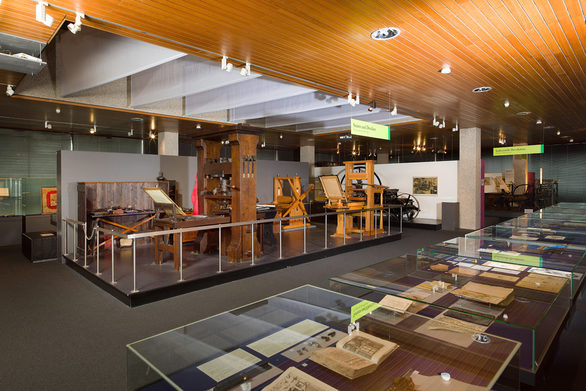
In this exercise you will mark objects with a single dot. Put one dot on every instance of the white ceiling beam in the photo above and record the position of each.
(297, 104)
(92, 58)
(382, 117)
(344, 111)
(185, 76)
(242, 94)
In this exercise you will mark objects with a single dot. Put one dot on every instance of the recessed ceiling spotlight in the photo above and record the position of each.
(558, 132)
(445, 70)
(538, 122)
(571, 140)
(506, 103)
(479, 90)
(57, 110)
(198, 126)
(385, 33)
(523, 113)
(281, 136)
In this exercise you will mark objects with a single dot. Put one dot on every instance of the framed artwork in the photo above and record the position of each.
(48, 200)
(425, 185)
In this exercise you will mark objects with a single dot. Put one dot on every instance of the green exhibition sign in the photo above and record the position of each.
(359, 310)
(368, 129)
(517, 150)
(519, 259)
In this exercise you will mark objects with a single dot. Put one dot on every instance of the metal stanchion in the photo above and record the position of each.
(326, 232)
(85, 245)
(252, 239)
(304, 236)
(180, 256)
(344, 213)
(112, 244)
(389, 221)
(98, 252)
(360, 225)
(219, 249)
(134, 290)
(375, 225)
(66, 226)
(280, 239)
(400, 219)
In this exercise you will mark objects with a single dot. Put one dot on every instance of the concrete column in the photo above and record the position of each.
(168, 143)
(307, 154)
(469, 169)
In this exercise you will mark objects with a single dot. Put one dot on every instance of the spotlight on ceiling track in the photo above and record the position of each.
(538, 122)
(455, 128)
(445, 70)
(372, 106)
(571, 140)
(152, 135)
(226, 66)
(245, 70)
(93, 130)
(558, 133)
(198, 126)
(131, 132)
(507, 103)
(281, 136)
(41, 15)
(394, 111)
(351, 100)
(76, 27)
(48, 125)
(9, 90)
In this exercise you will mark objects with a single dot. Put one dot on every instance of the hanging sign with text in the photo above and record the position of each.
(368, 129)
(517, 150)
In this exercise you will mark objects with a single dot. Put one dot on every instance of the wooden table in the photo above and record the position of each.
(180, 222)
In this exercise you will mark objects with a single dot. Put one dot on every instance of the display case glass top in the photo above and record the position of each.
(547, 225)
(571, 240)
(260, 345)
(493, 297)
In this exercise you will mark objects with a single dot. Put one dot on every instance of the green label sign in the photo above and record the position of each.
(517, 150)
(359, 310)
(368, 129)
(525, 260)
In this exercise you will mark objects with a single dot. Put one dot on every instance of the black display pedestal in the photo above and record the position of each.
(39, 246)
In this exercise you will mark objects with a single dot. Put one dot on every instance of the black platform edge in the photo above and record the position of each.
(152, 295)
(430, 226)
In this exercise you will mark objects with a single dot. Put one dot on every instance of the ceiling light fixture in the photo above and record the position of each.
(455, 129)
(479, 90)
(9, 90)
(538, 122)
(131, 132)
(435, 121)
(351, 100)
(226, 66)
(506, 103)
(445, 69)
(523, 113)
(93, 130)
(48, 125)
(385, 33)
(372, 106)
(558, 133)
(76, 27)
(198, 126)
(57, 110)
(394, 111)
(152, 135)
(571, 140)
(41, 15)
(245, 70)
(281, 136)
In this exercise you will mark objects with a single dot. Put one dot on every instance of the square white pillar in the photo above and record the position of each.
(168, 143)
(469, 183)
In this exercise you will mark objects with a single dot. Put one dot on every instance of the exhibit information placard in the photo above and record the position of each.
(369, 129)
(517, 150)
(357, 311)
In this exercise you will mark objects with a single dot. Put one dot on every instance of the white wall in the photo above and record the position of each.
(400, 176)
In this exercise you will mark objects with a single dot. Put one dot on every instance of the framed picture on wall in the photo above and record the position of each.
(48, 200)
(425, 185)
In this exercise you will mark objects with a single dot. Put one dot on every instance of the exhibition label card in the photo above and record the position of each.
(229, 364)
(359, 310)
(284, 339)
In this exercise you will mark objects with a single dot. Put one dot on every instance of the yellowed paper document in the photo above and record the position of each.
(284, 339)
(229, 364)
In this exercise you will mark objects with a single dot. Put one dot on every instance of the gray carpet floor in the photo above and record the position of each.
(60, 332)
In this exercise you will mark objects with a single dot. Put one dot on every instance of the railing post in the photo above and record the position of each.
(344, 215)
(326, 231)
(134, 290)
(85, 245)
(97, 251)
(360, 225)
(304, 236)
(66, 227)
(389, 221)
(220, 249)
(252, 240)
(375, 225)
(74, 242)
(280, 238)
(180, 256)
(401, 219)
(112, 245)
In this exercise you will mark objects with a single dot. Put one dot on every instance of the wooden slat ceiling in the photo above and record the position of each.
(531, 52)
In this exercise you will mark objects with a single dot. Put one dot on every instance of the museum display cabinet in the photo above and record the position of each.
(555, 260)
(545, 214)
(492, 299)
(299, 340)
(571, 240)
(554, 226)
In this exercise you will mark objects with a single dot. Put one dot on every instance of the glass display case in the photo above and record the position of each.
(554, 260)
(494, 300)
(24, 196)
(550, 225)
(298, 340)
(571, 240)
